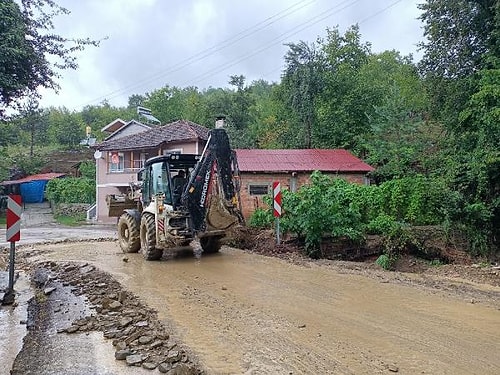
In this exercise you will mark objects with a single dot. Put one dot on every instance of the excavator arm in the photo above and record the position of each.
(211, 195)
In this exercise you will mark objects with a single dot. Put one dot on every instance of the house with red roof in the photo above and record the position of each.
(292, 168)
(119, 158)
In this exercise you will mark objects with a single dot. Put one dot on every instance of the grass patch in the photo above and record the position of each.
(71, 221)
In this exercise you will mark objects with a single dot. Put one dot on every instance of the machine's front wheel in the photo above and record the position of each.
(128, 234)
(148, 238)
(210, 244)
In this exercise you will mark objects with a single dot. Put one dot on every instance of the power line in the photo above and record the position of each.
(244, 34)
(285, 36)
(281, 38)
(209, 51)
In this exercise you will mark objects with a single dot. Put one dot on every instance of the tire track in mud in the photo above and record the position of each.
(245, 313)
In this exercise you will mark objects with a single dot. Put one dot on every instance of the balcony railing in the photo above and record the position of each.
(126, 166)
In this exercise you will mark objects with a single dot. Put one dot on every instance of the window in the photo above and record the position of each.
(258, 189)
(143, 159)
(116, 162)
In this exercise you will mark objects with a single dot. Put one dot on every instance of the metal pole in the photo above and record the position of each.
(11, 266)
(278, 230)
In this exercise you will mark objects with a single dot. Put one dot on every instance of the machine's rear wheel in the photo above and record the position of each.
(128, 234)
(210, 244)
(148, 238)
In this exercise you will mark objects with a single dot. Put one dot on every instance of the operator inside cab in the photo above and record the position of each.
(179, 181)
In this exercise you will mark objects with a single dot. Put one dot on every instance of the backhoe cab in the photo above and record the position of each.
(183, 197)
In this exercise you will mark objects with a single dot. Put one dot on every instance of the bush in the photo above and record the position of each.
(71, 190)
(87, 169)
(385, 261)
(261, 218)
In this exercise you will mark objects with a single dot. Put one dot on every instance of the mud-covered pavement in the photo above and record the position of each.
(242, 313)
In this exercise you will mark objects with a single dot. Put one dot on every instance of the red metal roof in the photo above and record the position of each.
(306, 160)
(35, 177)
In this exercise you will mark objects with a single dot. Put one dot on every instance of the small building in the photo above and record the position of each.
(120, 156)
(292, 168)
(31, 188)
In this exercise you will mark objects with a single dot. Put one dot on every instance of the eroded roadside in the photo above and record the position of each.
(245, 313)
(77, 311)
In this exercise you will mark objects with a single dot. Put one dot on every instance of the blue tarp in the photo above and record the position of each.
(33, 192)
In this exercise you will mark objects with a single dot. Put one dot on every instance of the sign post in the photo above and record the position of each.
(277, 207)
(13, 234)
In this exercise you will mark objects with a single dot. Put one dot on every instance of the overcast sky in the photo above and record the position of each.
(152, 43)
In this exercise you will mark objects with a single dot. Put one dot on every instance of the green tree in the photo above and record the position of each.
(302, 84)
(348, 96)
(30, 53)
(460, 34)
(66, 128)
(34, 121)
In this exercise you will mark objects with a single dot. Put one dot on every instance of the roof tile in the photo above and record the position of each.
(181, 130)
(300, 160)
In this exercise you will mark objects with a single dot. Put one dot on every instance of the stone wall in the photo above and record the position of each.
(70, 209)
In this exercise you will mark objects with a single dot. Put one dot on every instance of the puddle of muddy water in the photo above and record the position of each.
(13, 322)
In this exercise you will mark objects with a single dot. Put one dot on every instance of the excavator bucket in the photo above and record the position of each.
(221, 215)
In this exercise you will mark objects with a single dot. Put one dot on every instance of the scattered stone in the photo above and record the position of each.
(111, 334)
(156, 344)
(125, 259)
(115, 305)
(173, 356)
(122, 295)
(122, 354)
(72, 329)
(133, 337)
(142, 323)
(86, 269)
(125, 321)
(23, 321)
(149, 365)
(164, 367)
(143, 340)
(134, 359)
(47, 291)
(121, 345)
(182, 369)
(301, 326)
(393, 368)
(224, 287)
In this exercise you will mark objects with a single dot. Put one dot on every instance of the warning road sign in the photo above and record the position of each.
(14, 211)
(276, 199)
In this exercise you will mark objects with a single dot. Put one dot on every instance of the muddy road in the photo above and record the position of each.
(242, 313)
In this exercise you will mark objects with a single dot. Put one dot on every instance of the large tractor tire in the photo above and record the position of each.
(128, 234)
(148, 238)
(210, 244)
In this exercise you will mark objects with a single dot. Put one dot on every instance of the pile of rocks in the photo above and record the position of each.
(138, 336)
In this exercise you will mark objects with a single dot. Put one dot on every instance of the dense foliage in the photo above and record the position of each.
(344, 210)
(430, 129)
(30, 53)
(71, 190)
